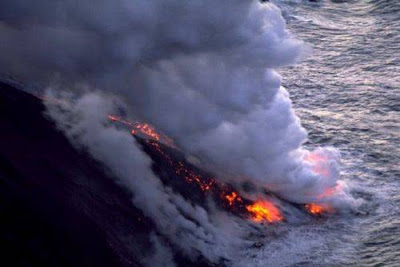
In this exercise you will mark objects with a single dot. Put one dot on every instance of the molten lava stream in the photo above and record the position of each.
(264, 210)
(143, 129)
(259, 211)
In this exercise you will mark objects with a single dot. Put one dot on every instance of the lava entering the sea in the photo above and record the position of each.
(259, 211)
(263, 210)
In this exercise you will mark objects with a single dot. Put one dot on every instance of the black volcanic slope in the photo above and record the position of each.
(58, 207)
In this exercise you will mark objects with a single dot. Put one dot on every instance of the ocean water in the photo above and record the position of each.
(347, 94)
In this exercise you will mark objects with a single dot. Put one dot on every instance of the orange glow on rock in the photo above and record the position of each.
(314, 208)
(232, 198)
(143, 129)
(265, 211)
(260, 211)
(147, 130)
(317, 209)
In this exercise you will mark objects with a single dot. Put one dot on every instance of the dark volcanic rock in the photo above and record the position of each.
(57, 205)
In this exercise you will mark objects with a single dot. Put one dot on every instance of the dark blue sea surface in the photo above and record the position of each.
(347, 94)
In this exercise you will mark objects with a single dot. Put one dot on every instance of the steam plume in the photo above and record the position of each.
(189, 227)
(200, 71)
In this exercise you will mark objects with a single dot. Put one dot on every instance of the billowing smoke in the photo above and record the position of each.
(200, 71)
(191, 229)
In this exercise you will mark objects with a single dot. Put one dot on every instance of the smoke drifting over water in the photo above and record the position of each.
(200, 71)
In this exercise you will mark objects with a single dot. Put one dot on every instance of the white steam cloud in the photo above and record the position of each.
(200, 71)
(191, 229)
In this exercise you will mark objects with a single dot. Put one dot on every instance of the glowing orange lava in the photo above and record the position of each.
(232, 198)
(314, 208)
(265, 211)
(260, 211)
(148, 130)
(317, 209)
(143, 129)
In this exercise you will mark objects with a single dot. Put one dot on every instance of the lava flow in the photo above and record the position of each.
(318, 209)
(143, 129)
(315, 208)
(265, 211)
(259, 211)
(232, 198)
